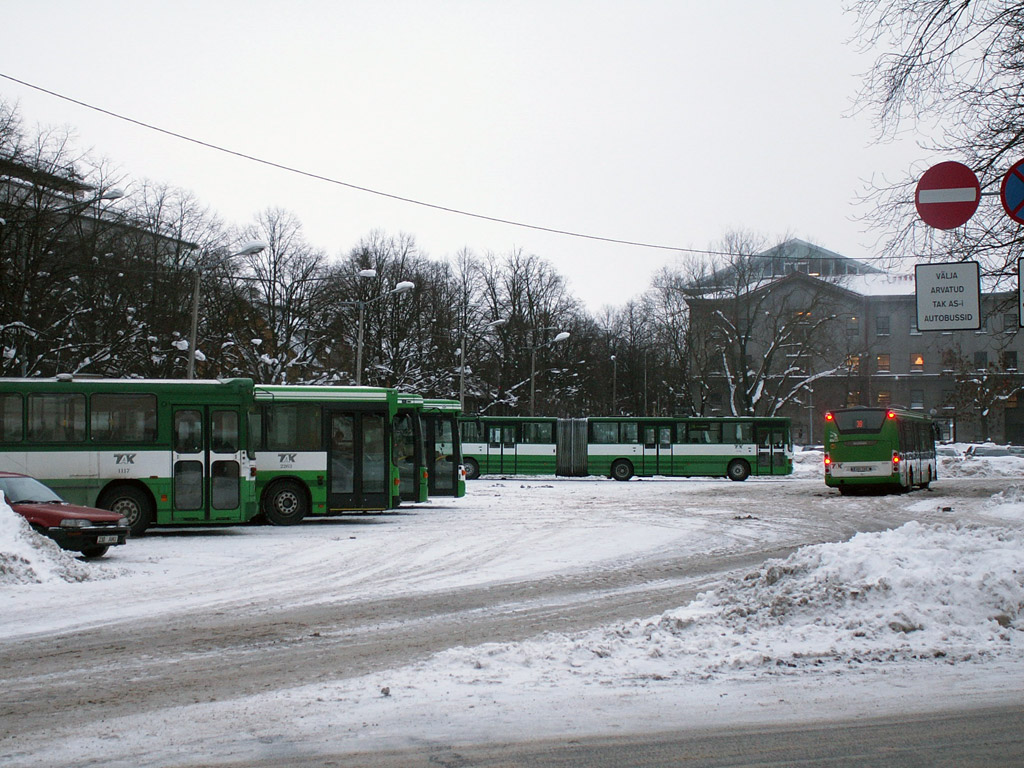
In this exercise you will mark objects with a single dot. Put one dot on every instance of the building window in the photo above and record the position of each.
(917, 399)
(917, 362)
(1009, 360)
(981, 360)
(882, 325)
(914, 330)
(884, 397)
(1011, 323)
(1011, 401)
(853, 363)
(882, 363)
(853, 398)
(852, 326)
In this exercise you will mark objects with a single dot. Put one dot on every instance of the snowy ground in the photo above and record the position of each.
(892, 620)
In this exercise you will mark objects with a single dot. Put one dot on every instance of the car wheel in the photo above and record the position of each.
(131, 502)
(285, 503)
(97, 551)
(472, 469)
(738, 470)
(622, 470)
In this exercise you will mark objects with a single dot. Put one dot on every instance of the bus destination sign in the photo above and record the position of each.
(948, 296)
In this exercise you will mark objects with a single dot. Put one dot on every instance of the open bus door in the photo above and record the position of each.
(358, 469)
(209, 464)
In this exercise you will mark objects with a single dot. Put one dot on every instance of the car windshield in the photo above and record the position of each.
(26, 490)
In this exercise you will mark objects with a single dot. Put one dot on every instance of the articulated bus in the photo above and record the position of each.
(324, 450)
(156, 452)
(444, 448)
(624, 447)
(879, 448)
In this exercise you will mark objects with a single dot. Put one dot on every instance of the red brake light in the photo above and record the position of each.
(828, 459)
(829, 416)
(891, 414)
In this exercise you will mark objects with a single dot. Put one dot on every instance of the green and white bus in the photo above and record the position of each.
(879, 448)
(156, 452)
(324, 450)
(626, 447)
(444, 448)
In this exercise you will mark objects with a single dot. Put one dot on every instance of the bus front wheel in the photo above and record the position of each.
(738, 470)
(622, 470)
(285, 503)
(472, 469)
(130, 502)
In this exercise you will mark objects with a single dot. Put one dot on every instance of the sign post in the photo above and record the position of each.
(947, 195)
(948, 296)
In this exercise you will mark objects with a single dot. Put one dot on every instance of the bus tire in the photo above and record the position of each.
(285, 503)
(131, 502)
(738, 470)
(472, 469)
(622, 470)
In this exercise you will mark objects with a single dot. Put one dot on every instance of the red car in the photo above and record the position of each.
(87, 530)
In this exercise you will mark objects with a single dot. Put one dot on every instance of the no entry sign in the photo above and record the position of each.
(1012, 192)
(947, 195)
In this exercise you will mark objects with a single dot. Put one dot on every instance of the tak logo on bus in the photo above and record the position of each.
(124, 458)
(286, 458)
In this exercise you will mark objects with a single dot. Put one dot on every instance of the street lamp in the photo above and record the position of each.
(615, 371)
(533, 364)
(462, 359)
(403, 287)
(249, 249)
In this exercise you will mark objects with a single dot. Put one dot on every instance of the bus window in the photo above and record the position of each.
(122, 418)
(188, 433)
(472, 431)
(293, 427)
(374, 453)
(224, 433)
(502, 435)
(738, 433)
(704, 432)
(56, 418)
(10, 418)
(605, 432)
(538, 432)
(629, 432)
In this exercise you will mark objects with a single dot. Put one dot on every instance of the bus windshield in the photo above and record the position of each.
(859, 421)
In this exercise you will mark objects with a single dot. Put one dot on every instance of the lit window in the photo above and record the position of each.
(916, 362)
(884, 397)
(882, 362)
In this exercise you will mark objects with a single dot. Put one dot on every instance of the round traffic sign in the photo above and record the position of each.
(947, 195)
(1012, 192)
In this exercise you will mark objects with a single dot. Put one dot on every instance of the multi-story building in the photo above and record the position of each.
(865, 348)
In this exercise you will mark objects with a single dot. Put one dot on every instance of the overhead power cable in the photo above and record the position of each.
(349, 185)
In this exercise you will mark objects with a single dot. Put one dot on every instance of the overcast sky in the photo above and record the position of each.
(670, 123)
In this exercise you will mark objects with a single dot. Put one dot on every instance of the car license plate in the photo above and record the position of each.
(106, 539)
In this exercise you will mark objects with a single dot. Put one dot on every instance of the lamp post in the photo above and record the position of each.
(462, 359)
(403, 287)
(249, 249)
(615, 372)
(533, 365)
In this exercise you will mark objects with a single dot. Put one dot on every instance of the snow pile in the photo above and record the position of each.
(27, 557)
(981, 466)
(943, 593)
(808, 464)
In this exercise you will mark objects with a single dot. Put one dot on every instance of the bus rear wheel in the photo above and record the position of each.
(285, 503)
(622, 470)
(738, 470)
(130, 502)
(472, 469)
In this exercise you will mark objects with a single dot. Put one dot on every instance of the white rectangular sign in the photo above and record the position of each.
(948, 296)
